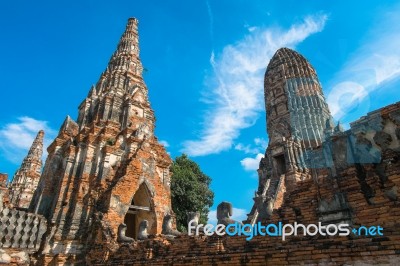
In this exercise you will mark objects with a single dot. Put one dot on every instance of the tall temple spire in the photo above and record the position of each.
(129, 41)
(110, 98)
(126, 57)
(109, 163)
(26, 178)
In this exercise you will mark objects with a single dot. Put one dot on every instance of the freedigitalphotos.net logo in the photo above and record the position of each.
(282, 230)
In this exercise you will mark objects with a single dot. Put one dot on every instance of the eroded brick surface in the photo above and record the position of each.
(303, 205)
(26, 179)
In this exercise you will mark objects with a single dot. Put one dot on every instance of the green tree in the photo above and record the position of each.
(190, 191)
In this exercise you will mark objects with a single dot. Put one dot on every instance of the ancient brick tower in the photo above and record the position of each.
(27, 177)
(108, 167)
(297, 115)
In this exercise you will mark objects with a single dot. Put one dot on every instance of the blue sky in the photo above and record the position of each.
(205, 61)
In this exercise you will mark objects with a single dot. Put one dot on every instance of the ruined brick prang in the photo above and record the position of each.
(26, 179)
(294, 101)
(108, 167)
(296, 117)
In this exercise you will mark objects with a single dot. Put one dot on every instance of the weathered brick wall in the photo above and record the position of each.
(302, 205)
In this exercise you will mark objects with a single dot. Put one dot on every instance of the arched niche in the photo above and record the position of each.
(141, 208)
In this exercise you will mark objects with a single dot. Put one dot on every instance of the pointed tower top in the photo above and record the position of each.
(36, 150)
(129, 41)
(69, 126)
(329, 124)
(126, 56)
(339, 127)
(107, 99)
(26, 178)
(133, 22)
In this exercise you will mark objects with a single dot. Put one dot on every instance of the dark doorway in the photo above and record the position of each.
(280, 164)
(130, 221)
(140, 209)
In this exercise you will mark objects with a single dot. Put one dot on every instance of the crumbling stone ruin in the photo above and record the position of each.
(26, 179)
(303, 140)
(103, 197)
(21, 232)
(105, 170)
(296, 118)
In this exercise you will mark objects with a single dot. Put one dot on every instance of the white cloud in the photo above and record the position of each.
(252, 164)
(236, 94)
(261, 142)
(374, 63)
(237, 214)
(251, 29)
(212, 217)
(16, 138)
(344, 96)
(387, 66)
(164, 143)
(260, 145)
(246, 148)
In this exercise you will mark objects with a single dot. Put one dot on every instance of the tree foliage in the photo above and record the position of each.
(190, 191)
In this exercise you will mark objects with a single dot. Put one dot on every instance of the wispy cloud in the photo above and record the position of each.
(236, 94)
(374, 63)
(237, 214)
(16, 138)
(211, 18)
(246, 148)
(251, 164)
(164, 143)
(257, 149)
(250, 28)
(260, 145)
